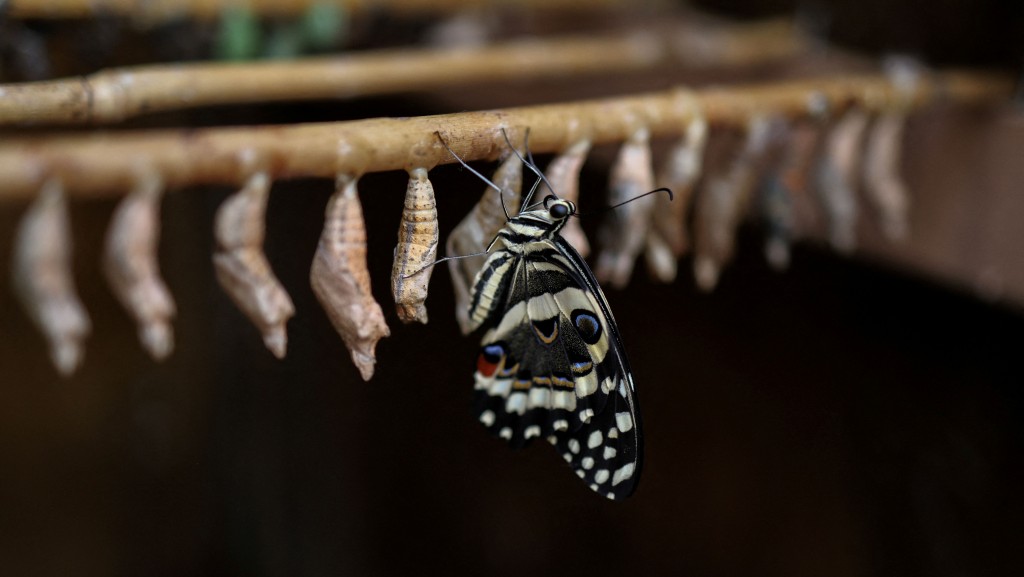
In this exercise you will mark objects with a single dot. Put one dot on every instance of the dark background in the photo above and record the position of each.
(843, 418)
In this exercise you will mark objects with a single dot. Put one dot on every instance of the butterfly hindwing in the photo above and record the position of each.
(552, 364)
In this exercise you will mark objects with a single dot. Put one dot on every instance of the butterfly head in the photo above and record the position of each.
(559, 209)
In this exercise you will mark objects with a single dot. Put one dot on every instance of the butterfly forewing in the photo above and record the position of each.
(551, 364)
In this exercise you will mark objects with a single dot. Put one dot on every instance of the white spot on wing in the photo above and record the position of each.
(625, 472)
(481, 382)
(487, 418)
(505, 433)
(588, 463)
(561, 425)
(587, 384)
(609, 452)
(564, 400)
(540, 397)
(607, 385)
(532, 431)
(586, 415)
(623, 421)
(601, 476)
(613, 433)
(542, 307)
(611, 496)
(500, 388)
(552, 439)
(594, 440)
(567, 457)
(516, 403)
(580, 473)
(574, 446)
(622, 389)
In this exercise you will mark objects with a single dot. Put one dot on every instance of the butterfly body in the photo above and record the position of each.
(551, 361)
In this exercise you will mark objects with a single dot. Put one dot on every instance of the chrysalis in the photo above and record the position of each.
(883, 186)
(668, 238)
(625, 230)
(722, 204)
(131, 265)
(242, 268)
(341, 280)
(43, 279)
(775, 198)
(776, 207)
(416, 250)
(837, 178)
(564, 175)
(802, 146)
(679, 174)
(477, 229)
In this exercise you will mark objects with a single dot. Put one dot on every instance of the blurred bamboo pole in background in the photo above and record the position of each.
(150, 10)
(117, 94)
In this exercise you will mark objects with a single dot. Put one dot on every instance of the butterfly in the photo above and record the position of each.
(551, 363)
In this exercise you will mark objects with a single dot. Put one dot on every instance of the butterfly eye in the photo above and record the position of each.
(558, 211)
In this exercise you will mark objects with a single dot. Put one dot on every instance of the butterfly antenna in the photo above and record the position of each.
(501, 193)
(441, 260)
(638, 197)
(529, 164)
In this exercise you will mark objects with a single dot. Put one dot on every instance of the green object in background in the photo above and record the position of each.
(324, 25)
(240, 35)
(285, 42)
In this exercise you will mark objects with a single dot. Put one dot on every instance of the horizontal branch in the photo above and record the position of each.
(109, 164)
(152, 11)
(118, 94)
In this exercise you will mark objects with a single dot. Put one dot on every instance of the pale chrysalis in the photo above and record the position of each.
(341, 280)
(624, 231)
(563, 173)
(132, 267)
(242, 268)
(43, 279)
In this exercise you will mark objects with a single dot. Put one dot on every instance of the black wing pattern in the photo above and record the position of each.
(551, 364)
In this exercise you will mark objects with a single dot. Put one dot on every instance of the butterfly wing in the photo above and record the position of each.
(553, 366)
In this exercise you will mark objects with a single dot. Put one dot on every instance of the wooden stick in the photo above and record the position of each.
(211, 9)
(117, 94)
(104, 165)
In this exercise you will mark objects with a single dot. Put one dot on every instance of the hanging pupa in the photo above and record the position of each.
(883, 187)
(416, 250)
(679, 174)
(341, 280)
(132, 267)
(43, 279)
(477, 229)
(242, 268)
(563, 173)
(624, 231)
(722, 203)
(668, 238)
(775, 199)
(837, 178)
(802, 147)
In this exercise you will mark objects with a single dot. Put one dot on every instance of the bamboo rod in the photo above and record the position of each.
(117, 94)
(157, 10)
(105, 165)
